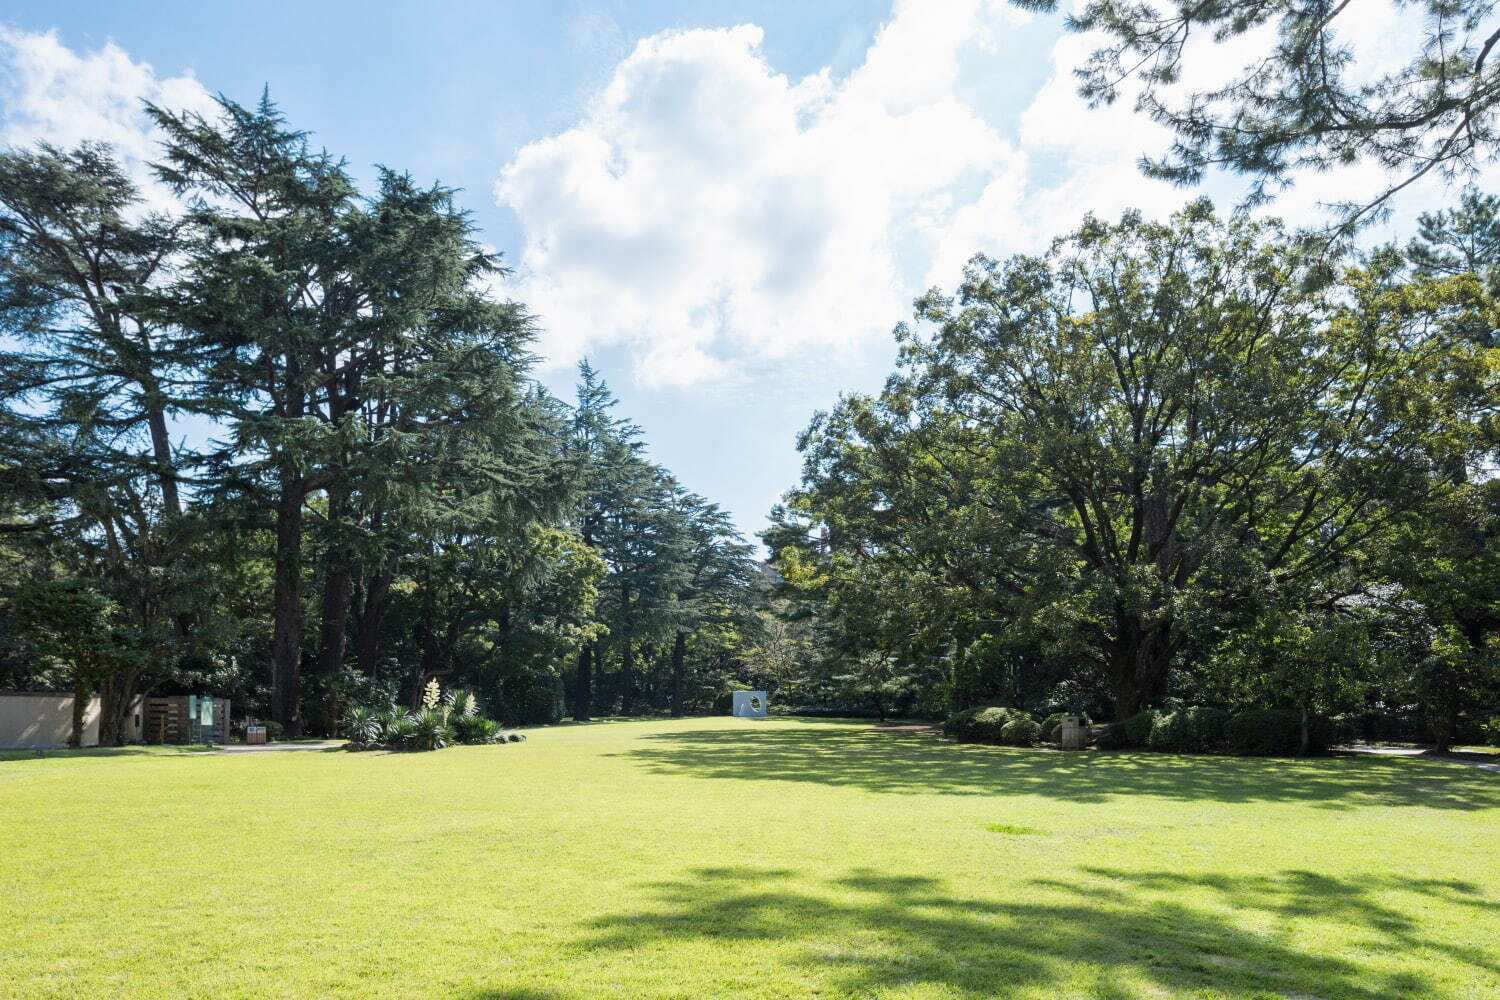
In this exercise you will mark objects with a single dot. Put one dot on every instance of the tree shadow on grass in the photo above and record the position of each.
(1109, 934)
(921, 764)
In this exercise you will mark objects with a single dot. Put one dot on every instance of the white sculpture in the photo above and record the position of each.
(749, 705)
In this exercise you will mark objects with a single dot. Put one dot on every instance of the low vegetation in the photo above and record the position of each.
(770, 859)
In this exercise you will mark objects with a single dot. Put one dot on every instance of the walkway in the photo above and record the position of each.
(1468, 760)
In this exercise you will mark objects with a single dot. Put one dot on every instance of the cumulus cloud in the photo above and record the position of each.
(50, 93)
(709, 212)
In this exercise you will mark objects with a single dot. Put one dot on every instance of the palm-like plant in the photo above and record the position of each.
(398, 731)
(462, 703)
(362, 724)
(430, 729)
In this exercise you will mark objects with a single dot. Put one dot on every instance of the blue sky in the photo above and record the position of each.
(726, 206)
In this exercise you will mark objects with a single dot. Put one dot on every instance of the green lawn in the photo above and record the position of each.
(729, 858)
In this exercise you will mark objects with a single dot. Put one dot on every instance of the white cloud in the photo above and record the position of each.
(50, 93)
(709, 212)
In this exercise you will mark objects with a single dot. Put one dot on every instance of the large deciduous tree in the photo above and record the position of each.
(1130, 442)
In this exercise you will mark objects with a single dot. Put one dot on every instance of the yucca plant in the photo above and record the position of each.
(362, 724)
(473, 728)
(462, 703)
(430, 730)
(397, 729)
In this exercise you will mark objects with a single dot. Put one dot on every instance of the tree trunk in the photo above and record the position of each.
(161, 450)
(627, 678)
(583, 688)
(1443, 727)
(336, 586)
(372, 620)
(679, 671)
(80, 702)
(1139, 659)
(116, 697)
(286, 640)
(1306, 734)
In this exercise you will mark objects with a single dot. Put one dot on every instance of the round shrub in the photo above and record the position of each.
(273, 730)
(983, 724)
(1020, 732)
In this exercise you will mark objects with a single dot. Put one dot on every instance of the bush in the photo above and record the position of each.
(398, 731)
(987, 724)
(473, 729)
(1275, 732)
(1189, 730)
(273, 730)
(1020, 732)
(1129, 733)
(430, 730)
(362, 725)
(531, 700)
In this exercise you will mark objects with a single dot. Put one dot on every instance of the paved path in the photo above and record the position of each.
(279, 747)
(1468, 760)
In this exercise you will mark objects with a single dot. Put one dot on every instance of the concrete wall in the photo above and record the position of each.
(33, 719)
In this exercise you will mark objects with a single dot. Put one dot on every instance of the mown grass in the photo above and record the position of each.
(736, 858)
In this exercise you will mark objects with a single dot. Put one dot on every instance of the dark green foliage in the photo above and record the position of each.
(273, 730)
(991, 724)
(474, 729)
(1189, 730)
(1275, 732)
(1306, 98)
(1020, 732)
(1136, 730)
(532, 700)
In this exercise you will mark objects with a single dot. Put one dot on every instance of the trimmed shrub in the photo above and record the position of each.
(1275, 732)
(987, 724)
(1189, 730)
(1129, 733)
(1138, 727)
(273, 730)
(1020, 732)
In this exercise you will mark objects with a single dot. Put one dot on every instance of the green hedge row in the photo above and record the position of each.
(989, 724)
(1262, 732)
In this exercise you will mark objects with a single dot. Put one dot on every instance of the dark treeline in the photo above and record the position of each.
(1187, 463)
(282, 444)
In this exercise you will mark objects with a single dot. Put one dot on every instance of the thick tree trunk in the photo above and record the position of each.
(1139, 660)
(372, 620)
(583, 688)
(1443, 727)
(286, 639)
(80, 702)
(679, 671)
(1305, 742)
(627, 678)
(116, 696)
(336, 587)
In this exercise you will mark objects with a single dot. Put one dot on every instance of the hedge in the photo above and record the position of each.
(1275, 732)
(1189, 730)
(992, 724)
